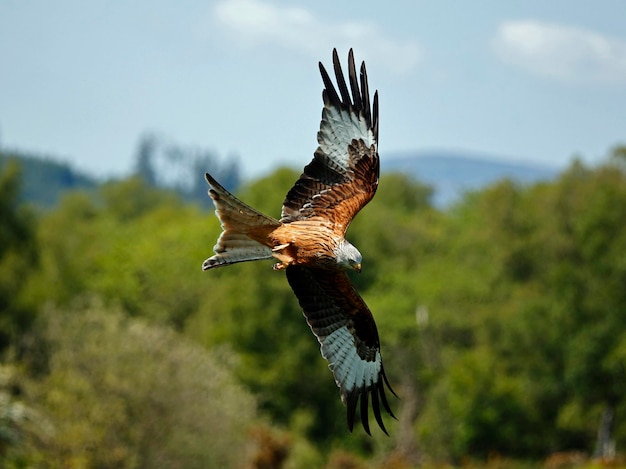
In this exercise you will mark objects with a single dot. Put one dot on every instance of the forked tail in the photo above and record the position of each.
(245, 230)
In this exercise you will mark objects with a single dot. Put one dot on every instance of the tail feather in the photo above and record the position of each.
(235, 247)
(245, 229)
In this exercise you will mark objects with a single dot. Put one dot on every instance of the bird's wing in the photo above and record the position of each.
(343, 175)
(346, 331)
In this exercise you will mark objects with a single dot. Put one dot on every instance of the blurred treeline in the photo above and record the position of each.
(502, 322)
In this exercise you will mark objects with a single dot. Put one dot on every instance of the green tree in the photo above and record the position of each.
(120, 392)
(18, 257)
(501, 319)
(134, 246)
(543, 343)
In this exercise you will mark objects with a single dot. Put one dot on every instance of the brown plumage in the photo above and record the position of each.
(308, 241)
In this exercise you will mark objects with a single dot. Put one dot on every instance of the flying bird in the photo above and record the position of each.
(308, 241)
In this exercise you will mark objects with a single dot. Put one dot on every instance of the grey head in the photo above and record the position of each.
(348, 257)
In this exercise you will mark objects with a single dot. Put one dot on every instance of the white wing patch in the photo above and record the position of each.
(349, 369)
(339, 127)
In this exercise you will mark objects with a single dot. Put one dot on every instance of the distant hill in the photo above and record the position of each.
(452, 174)
(44, 180)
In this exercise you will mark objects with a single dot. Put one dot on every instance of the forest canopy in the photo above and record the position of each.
(502, 323)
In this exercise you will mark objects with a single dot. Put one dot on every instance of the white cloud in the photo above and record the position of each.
(561, 52)
(257, 22)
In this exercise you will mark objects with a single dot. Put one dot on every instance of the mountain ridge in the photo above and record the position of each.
(451, 173)
(44, 180)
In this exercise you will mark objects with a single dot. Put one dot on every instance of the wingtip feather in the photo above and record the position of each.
(357, 97)
(350, 401)
(376, 410)
(383, 398)
(375, 116)
(364, 413)
(341, 80)
(329, 94)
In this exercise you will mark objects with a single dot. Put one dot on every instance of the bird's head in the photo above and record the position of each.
(348, 257)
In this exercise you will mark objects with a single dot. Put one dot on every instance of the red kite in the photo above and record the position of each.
(308, 241)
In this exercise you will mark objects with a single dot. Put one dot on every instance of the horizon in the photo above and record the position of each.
(541, 82)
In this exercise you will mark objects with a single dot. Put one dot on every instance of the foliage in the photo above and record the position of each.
(545, 358)
(501, 320)
(140, 248)
(123, 393)
(18, 257)
(22, 428)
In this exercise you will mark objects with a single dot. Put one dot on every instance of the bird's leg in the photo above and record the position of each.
(280, 253)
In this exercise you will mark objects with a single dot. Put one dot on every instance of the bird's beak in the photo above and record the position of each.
(357, 267)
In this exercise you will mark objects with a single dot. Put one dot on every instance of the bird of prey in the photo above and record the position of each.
(308, 241)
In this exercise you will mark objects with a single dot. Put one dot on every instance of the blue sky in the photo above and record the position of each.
(528, 80)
